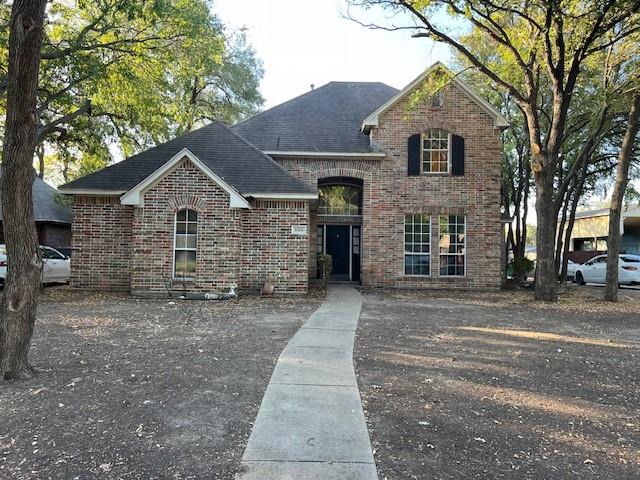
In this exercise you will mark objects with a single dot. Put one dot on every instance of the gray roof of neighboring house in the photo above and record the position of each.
(327, 119)
(45, 206)
(601, 212)
(229, 156)
(593, 213)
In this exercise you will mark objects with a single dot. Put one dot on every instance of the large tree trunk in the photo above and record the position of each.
(19, 300)
(546, 279)
(622, 179)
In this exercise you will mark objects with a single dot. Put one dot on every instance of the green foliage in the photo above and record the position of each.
(521, 267)
(131, 74)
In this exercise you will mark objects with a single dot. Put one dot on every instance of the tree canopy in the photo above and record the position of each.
(123, 74)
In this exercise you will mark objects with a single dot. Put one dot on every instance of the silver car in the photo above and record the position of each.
(56, 267)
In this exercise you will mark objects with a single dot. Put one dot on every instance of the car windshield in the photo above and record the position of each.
(3, 251)
(630, 259)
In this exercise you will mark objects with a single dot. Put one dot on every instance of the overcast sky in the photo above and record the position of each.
(302, 42)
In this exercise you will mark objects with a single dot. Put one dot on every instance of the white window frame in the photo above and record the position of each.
(430, 253)
(185, 249)
(422, 152)
(453, 254)
(437, 99)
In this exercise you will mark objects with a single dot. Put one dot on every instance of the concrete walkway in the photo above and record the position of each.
(310, 425)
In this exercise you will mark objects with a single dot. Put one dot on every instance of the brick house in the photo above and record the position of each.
(399, 196)
(52, 217)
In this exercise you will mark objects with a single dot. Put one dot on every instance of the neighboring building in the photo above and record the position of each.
(591, 230)
(53, 218)
(398, 198)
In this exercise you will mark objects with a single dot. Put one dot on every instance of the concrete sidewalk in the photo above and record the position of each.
(310, 424)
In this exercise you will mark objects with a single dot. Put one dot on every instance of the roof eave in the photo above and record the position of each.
(313, 154)
(90, 191)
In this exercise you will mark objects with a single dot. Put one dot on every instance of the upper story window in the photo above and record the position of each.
(185, 244)
(435, 151)
(339, 200)
(437, 99)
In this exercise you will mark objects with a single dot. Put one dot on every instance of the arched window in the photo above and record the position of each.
(435, 151)
(339, 200)
(185, 244)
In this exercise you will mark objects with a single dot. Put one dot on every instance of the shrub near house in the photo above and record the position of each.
(396, 196)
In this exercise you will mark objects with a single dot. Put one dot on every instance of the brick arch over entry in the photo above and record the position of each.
(186, 200)
(334, 172)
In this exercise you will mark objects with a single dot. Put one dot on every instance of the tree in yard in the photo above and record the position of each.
(540, 50)
(132, 74)
(622, 179)
(20, 296)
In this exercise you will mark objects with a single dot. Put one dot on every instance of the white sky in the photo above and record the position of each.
(309, 41)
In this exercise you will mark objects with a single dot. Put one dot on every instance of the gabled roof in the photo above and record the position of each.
(231, 158)
(499, 120)
(135, 196)
(46, 208)
(324, 120)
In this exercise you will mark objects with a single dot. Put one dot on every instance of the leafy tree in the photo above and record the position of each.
(540, 50)
(131, 74)
(20, 295)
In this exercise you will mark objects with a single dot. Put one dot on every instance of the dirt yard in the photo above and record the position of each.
(142, 389)
(491, 386)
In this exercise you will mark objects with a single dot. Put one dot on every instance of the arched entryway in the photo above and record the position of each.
(340, 225)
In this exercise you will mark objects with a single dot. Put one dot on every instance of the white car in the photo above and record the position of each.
(56, 267)
(572, 267)
(595, 270)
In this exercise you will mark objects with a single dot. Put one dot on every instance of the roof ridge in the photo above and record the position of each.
(281, 104)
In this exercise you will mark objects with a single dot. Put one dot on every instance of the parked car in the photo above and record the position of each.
(595, 270)
(56, 267)
(572, 267)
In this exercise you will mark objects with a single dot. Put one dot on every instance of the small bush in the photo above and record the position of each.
(520, 267)
(325, 265)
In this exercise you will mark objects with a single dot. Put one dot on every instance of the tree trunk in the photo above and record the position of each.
(20, 296)
(40, 155)
(622, 179)
(546, 279)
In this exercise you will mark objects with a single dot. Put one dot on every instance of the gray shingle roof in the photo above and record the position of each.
(327, 119)
(45, 206)
(232, 158)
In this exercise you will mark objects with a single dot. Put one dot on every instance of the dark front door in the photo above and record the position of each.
(337, 245)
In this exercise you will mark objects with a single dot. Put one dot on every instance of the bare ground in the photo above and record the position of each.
(491, 386)
(142, 389)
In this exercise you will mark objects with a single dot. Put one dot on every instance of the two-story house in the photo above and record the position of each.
(399, 194)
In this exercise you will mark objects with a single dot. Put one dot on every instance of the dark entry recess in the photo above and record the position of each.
(337, 245)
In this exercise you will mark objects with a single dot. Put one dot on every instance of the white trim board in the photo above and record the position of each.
(90, 191)
(283, 196)
(276, 153)
(135, 196)
(499, 120)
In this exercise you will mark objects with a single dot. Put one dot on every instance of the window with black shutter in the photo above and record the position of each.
(457, 155)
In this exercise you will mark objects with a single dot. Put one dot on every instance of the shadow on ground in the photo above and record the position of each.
(473, 387)
(142, 389)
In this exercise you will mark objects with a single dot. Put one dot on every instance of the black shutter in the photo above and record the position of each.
(413, 164)
(457, 155)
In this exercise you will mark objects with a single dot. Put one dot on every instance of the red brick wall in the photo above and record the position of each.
(270, 250)
(131, 248)
(218, 243)
(389, 193)
(101, 243)
(54, 235)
